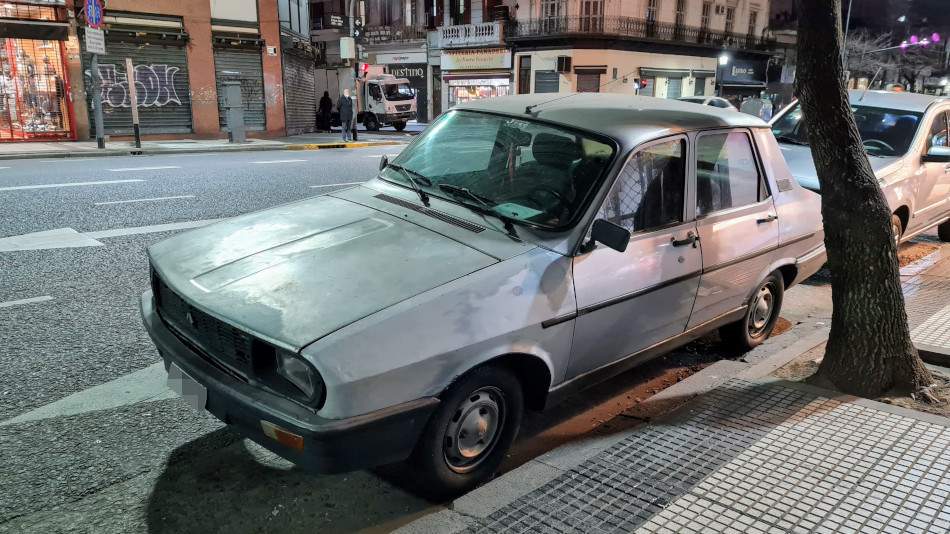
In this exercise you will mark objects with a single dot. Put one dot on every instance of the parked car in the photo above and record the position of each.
(519, 250)
(905, 135)
(714, 101)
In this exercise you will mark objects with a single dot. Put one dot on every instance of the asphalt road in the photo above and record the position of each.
(92, 441)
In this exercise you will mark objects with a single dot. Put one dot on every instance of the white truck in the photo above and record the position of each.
(381, 99)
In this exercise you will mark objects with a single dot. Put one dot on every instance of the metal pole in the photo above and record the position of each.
(97, 101)
(130, 74)
(844, 47)
(356, 73)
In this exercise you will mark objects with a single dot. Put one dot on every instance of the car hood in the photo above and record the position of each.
(802, 165)
(295, 273)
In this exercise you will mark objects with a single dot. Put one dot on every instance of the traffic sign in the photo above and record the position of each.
(95, 41)
(93, 10)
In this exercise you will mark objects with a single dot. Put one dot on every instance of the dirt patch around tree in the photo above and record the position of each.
(913, 251)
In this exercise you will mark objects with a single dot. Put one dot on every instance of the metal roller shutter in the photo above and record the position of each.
(162, 89)
(300, 101)
(546, 81)
(588, 83)
(700, 88)
(674, 88)
(248, 63)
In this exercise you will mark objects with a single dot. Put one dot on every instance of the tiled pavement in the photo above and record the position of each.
(926, 286)
(754, 457)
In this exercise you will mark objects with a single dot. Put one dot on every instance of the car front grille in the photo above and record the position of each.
(403, 107)
(225, 343)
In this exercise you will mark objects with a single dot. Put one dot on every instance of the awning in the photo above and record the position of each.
(749, 85)
(34, 29)
(664, 73)
(590, 69)
(466, 74)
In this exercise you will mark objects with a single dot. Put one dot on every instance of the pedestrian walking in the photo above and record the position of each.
(345, 107)
(326, 107)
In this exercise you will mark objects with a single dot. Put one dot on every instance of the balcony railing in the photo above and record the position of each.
(390, 34)
(632, 28)
(466, 35)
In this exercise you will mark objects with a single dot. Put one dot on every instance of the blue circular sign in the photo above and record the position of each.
(93, 11)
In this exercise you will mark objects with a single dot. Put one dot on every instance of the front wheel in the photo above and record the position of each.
(400, 126)
(469, 434)
(943, 231)
(760, 316)
(371, 123)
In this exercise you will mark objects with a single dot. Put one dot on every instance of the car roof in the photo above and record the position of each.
(894, 100)
(627, 118)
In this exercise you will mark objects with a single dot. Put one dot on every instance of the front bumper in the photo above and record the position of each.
(329, 445)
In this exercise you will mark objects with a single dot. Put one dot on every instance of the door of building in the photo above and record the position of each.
(674, 88)
(547, 81)
(300, 100)
(242, 66)
(588, 83)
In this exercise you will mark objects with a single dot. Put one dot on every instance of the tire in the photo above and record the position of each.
(897, 228)
(488, 400)
(943, 231)
(371, 123)
(760, 316)
(400, 126)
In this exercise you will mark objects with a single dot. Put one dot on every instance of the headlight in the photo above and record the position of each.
(297, 372)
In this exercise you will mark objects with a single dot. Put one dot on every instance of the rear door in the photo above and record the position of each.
(933, 190)
(628, 301)
(736, 221)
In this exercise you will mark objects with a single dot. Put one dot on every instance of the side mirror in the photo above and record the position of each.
(608, 233)
(383, 162)
(936, 154)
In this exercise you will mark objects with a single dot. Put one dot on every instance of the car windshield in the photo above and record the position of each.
(885, 132)
(398, 91)
(524, 171)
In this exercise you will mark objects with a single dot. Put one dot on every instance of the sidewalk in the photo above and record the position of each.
(741, 453)
(310, 141)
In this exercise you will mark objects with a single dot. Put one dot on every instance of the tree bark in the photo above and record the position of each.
(869, 350)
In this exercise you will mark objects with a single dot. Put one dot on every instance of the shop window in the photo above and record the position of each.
(466, 90)
(34, 103)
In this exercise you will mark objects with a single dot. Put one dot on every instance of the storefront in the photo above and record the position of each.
(300, 89)
(156, 46)
(35, 101)
(475, 74)
(240, 60)
(411, 66)
(741, 79)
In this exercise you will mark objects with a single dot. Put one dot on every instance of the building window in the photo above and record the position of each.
(730, 19)
(651, 10)
(753, 16)
(707, 9)
(524, 75)
(592, 16)
(680, 12)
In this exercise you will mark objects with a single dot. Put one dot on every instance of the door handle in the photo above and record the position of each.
(770, 218)
(690, 239)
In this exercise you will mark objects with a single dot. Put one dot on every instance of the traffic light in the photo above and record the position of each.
(358, 33)
(364, 68)
(643, 83)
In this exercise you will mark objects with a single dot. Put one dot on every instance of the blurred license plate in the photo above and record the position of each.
(194, 393)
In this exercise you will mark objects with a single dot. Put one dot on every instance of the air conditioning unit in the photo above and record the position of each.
(563, 64)
(720, 10)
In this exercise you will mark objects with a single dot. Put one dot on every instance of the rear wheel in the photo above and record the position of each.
(943, 231)
(760, 316)
(400, 126)
(371, 123)
(897, 228)
(469, 434)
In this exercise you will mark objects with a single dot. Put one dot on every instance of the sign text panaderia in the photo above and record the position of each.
(483, 58)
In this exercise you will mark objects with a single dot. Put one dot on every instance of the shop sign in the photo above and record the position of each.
(479, 59)
(408, 57)
(95, 41)
(409, 71)
(741, 71)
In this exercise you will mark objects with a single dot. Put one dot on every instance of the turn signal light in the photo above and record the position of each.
(282, 436)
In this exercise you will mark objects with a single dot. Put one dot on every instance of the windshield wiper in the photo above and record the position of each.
(415, 185)
(457, 191)
(790, 139)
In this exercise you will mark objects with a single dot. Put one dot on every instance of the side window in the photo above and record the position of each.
(938, 132)
(650, 190)
(726, 173)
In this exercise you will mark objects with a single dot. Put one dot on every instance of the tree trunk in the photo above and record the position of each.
(869, 350)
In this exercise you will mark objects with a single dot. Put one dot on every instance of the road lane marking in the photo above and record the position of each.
(144, 385)
(59, 238)
(150, 229)
(71, 184)
(4, 167)
(141, 200)
(129, 169)
(334, 185)
(279, 161)
(10, 303)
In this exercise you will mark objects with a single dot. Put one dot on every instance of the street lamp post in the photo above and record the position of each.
(723, 61)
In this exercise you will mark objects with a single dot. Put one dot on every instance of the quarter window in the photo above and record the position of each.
(649, 193)
(726, 173)
(938, 132)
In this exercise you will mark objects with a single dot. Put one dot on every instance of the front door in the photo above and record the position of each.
(736, 220)
(933, 188)
(629, 301)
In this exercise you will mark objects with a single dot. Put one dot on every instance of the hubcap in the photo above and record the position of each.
(474, 429)
(761, 311)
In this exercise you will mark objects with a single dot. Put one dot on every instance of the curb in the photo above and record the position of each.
(157, 152)
(467, 510)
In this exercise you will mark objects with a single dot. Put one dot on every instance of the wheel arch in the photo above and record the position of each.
(533, 373)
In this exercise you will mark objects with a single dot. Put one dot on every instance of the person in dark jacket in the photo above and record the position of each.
(326, 106)
(345, 107)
